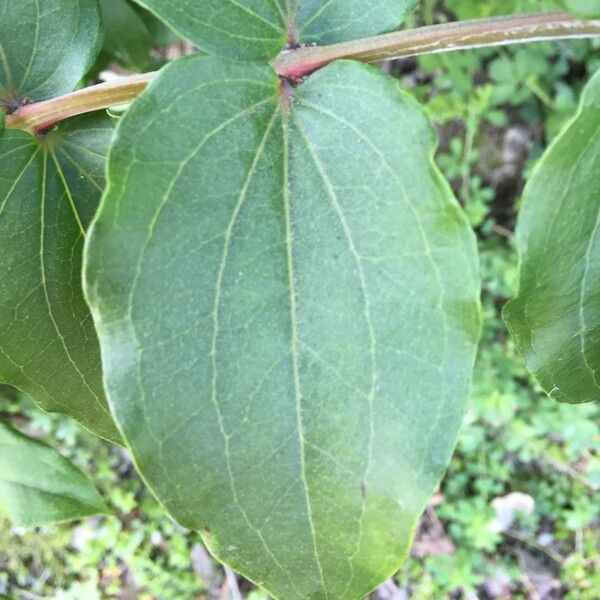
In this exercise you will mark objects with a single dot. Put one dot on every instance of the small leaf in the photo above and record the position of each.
(45, 47)
(590, 9)
(286, 295)
(555, 318)
(49, 190)
(259, 29)
(126, 36)
(38, 486)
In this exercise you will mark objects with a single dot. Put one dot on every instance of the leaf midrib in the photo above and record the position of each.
(278, 112)
(368, 319)
(258, 154)
(294, 340)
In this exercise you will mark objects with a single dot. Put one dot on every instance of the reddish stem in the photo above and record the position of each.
(297, 64)
(43, 115)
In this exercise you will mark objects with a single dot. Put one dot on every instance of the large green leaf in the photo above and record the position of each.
(259, 29)
(286, 295)
(38, 486)
(49, 189)
(46, 46)
(585, 8)
(555, 319)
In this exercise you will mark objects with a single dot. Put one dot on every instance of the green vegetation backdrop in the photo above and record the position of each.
(496, 111)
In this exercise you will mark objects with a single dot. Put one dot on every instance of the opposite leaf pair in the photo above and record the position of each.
(313, 297)
(285, 290)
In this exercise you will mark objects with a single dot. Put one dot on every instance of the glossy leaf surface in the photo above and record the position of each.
(555, 319)
(46, 46)
(286, 295)
(259, 29)
(49, 189)
(38, 486)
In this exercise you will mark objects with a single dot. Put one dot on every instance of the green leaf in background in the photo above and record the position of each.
(340, 20)
(259, 29)
(468, 9)
(38, 486)
(49, 189)
(160, 33)
(50, 185)
(286, 295)
(555, 318)
(45, 47)
(589, 9)
(125, 34)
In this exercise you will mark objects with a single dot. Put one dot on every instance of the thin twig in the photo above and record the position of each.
(298, 63)
(569, 471)
(525, 539)
(42, 115)
(479, 33)
(528, 585)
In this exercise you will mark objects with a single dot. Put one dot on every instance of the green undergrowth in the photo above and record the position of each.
(513, 439)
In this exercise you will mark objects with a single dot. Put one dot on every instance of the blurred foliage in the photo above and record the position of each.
(139, 547)
(134, 40)
(496, 111)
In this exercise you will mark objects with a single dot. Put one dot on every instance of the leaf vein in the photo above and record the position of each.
(294, 342)
(368, 318)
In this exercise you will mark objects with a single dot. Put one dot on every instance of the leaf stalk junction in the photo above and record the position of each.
(297, 63)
